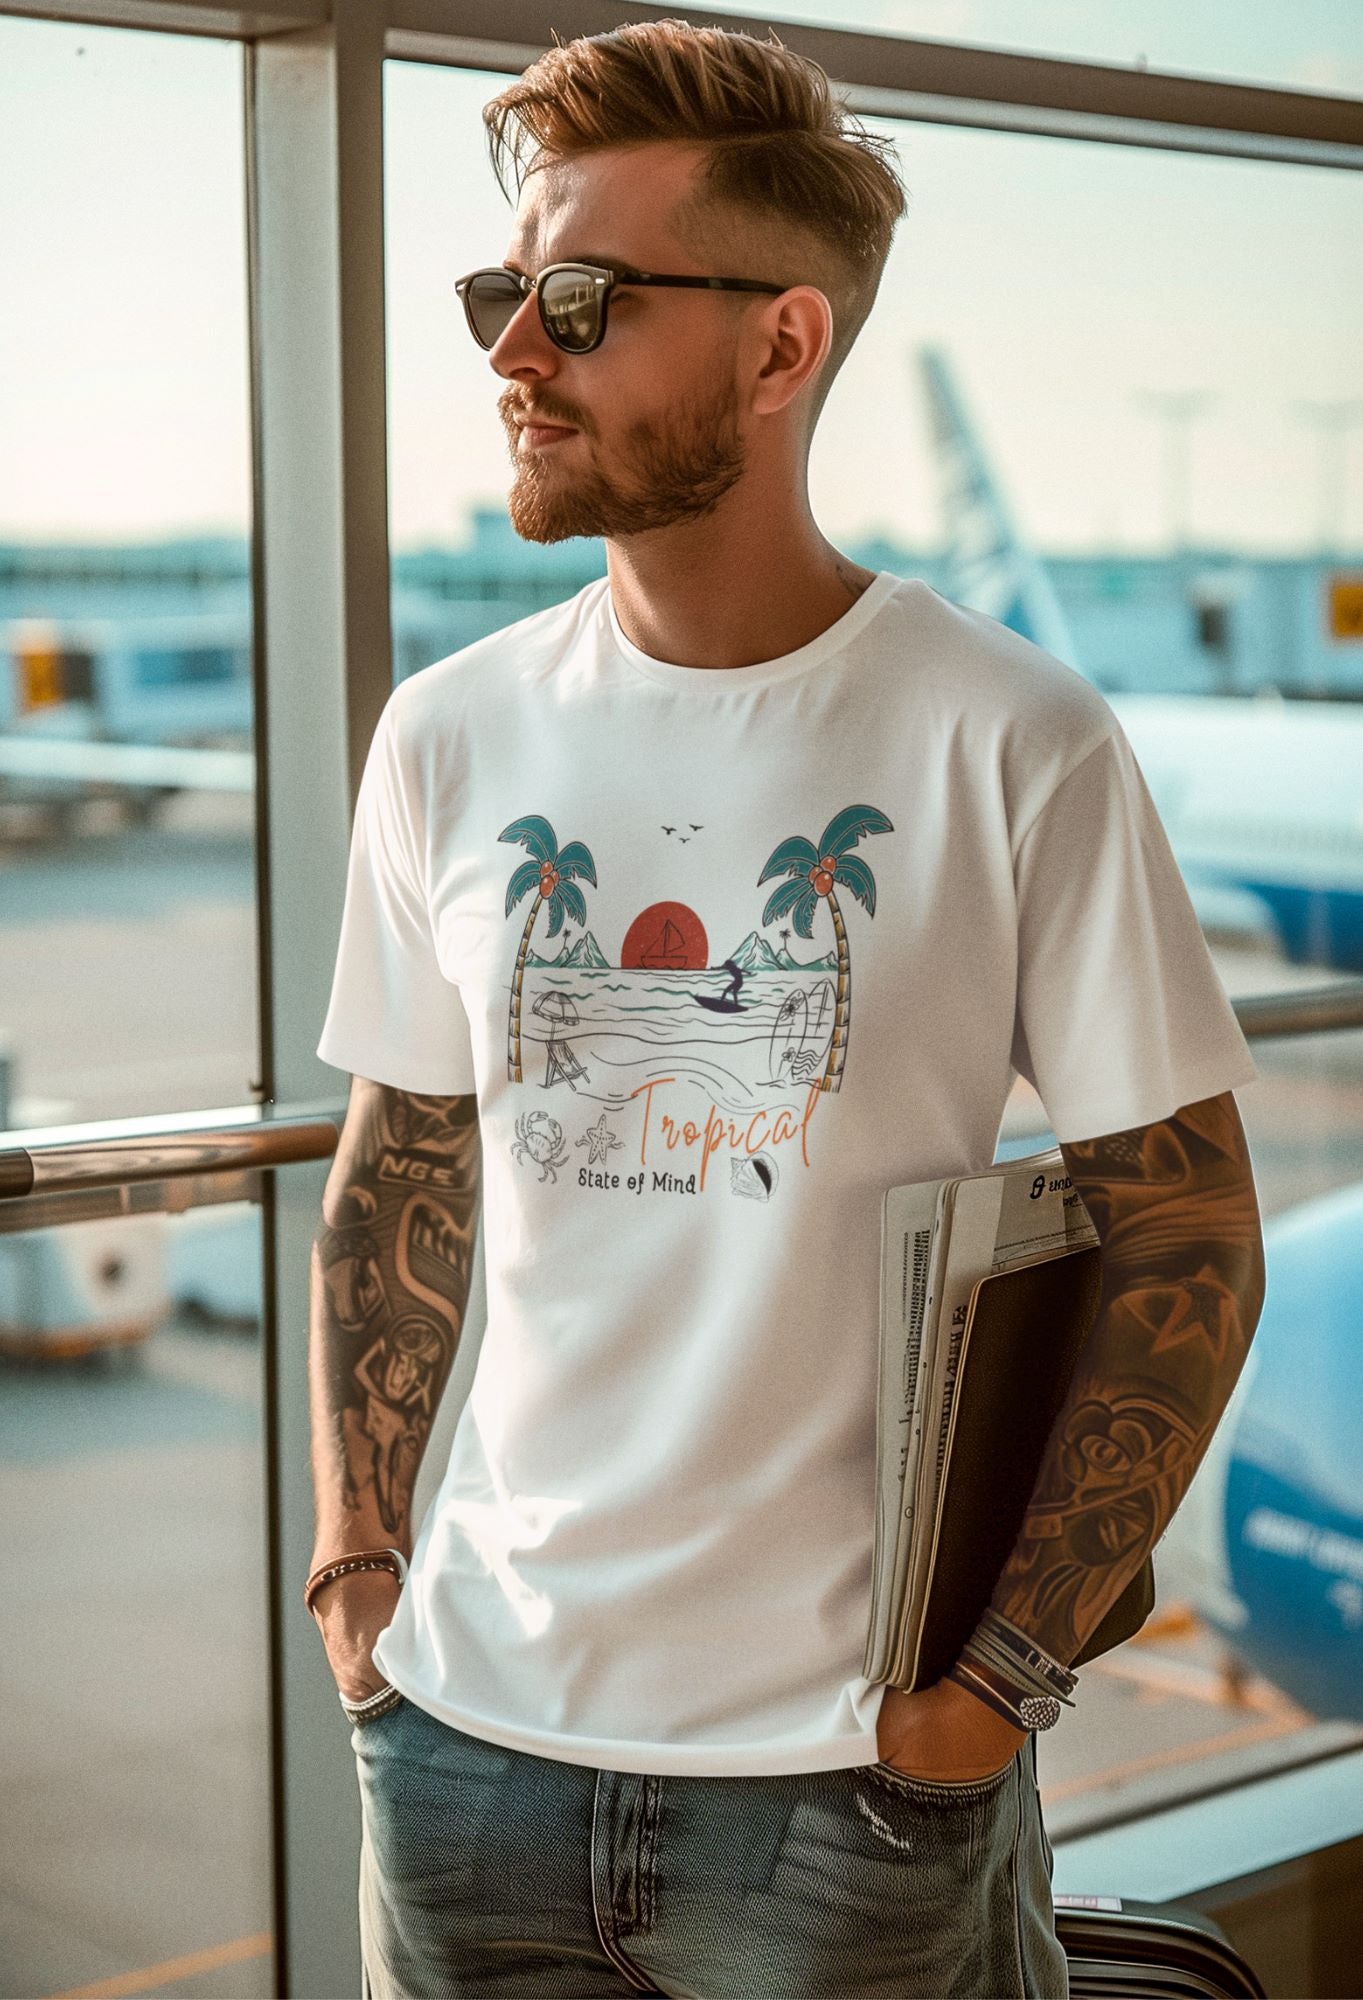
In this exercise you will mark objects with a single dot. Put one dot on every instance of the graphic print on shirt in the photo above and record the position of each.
(759, 1027)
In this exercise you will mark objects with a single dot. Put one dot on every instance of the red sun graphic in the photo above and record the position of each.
(666, 937)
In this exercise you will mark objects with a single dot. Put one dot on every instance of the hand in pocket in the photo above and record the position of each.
(352, 1611)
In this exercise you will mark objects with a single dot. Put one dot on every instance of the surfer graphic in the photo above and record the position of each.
(728, 1001)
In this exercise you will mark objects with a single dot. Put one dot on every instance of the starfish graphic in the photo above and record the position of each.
(600, 1138)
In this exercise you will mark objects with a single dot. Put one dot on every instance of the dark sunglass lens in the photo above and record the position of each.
(571, 304)
(493, 300)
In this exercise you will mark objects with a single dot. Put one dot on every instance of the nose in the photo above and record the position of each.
(524, 351)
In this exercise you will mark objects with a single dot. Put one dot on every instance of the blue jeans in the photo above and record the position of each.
(487, 1871)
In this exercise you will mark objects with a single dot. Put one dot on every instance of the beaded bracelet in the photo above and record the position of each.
(1024, 1710)
(392, 1560)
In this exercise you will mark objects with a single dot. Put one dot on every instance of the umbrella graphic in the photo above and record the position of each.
(558, 1013)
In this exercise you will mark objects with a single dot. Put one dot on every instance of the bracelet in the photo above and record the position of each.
(375, 1705)
(996, 1642)
(1024, 1711)
(392, 1560)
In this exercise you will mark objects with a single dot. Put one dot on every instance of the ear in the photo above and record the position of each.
(794, 332)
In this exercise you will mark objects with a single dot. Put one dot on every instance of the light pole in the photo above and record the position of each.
(1179, 409)
(1331, 416)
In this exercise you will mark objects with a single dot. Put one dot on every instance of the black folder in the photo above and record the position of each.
(1023, 1332)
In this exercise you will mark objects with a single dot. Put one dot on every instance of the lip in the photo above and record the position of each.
(537, 436)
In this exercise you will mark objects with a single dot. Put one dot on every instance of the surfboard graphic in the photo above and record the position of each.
(788, 1033)
(800, 1034)
(820, 1015)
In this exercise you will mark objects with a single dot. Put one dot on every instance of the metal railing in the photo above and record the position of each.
(1308, 1010)
(128, 1166)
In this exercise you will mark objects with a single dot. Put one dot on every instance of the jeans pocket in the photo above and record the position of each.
(948, 1791)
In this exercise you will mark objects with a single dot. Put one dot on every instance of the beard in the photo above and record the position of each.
(673, 467)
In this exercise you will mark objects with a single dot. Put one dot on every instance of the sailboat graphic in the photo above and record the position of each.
(667, 952)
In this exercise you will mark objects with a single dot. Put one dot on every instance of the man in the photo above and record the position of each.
(612, 1730)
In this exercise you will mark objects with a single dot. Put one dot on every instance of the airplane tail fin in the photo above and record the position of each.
(989, 566)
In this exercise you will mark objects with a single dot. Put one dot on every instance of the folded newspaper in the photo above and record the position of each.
(989, 1282)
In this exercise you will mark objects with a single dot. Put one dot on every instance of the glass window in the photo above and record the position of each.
(126, 773)
(1148, 361)
(134, 1800)
(1312, 46)
(135, 1822)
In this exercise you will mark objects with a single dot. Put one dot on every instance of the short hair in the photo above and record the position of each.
(779, 146)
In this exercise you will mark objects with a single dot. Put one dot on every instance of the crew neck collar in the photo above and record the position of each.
(710, 680)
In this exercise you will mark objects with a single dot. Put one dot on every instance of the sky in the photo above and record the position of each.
(1075, 288)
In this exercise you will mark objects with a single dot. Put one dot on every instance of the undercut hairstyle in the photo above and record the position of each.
(781, 152)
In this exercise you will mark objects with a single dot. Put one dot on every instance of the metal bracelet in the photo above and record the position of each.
(1015, 1672)
(999, 1642)
(1026, 1648)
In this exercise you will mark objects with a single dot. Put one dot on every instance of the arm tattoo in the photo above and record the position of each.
(390, 1284)
(1178, 1221)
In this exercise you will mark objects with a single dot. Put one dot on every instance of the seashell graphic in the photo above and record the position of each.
(755, 1177)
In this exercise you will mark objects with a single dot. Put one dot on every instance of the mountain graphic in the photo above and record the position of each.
(586, 952)
(753, 955)
(756, 955)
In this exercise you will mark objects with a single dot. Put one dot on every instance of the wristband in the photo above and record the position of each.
(1023, 1710)
(996, 1642)
(392, 1560)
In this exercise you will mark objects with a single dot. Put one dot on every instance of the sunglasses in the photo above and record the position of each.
(572, 299)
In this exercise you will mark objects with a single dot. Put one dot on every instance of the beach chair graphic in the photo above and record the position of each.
(558, 1013)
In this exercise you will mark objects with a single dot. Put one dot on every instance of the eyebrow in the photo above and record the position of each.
(583, 257)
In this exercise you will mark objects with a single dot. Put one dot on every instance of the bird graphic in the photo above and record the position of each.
(669, 829)
(683, 838)
(694, 828)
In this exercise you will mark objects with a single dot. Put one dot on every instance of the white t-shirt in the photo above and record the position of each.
(925, 858)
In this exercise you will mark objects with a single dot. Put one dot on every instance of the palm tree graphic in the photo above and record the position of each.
(549, 873)
(815, 869)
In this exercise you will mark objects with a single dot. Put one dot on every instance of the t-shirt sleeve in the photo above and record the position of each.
(393, 1016)
(1121, 1016)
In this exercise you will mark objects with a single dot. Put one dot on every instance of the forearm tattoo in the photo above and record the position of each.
(1176, 1214)
(391, 1278)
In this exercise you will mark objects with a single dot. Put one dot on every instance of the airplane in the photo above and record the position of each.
(1268, 1543)
(1261, 797)
(137, 709)
(1263, 804)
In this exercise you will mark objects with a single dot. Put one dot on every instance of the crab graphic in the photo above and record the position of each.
(540, 1137)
